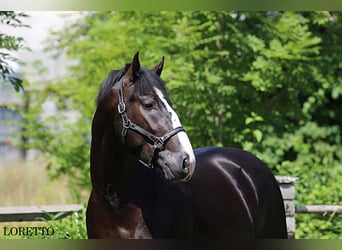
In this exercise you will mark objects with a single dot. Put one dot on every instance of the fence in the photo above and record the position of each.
(286, 184)
(33, 213)
(287, 188)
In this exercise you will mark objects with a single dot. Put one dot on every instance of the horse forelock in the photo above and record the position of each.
(148, 82)
(145, 84)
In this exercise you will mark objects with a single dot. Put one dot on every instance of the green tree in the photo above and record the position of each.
(267, 82)
(10, 44)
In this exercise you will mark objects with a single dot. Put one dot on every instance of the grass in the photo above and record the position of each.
(28, 184)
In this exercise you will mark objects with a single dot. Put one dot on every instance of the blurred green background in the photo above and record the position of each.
(268, 82)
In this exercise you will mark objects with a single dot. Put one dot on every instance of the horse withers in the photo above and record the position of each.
(147, 182)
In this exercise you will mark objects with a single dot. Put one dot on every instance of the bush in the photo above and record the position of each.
(70, 227)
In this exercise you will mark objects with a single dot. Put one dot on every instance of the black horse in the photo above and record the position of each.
(147, 182)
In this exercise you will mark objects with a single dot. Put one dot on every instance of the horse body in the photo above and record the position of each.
(227, 198)
(141, 185)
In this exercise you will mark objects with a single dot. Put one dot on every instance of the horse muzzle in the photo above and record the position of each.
(176, 167)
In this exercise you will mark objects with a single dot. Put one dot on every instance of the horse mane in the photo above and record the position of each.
(113, 77)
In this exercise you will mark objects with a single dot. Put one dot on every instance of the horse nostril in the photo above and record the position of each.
(186, 164)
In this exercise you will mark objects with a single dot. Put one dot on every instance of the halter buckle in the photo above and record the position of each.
(159, 143)
(121, 107)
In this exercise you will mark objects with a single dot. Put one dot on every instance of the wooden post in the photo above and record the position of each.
(287, 188)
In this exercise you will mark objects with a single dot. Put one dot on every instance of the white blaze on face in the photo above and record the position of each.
(182, 136)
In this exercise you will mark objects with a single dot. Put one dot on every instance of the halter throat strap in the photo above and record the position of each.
(158, 143)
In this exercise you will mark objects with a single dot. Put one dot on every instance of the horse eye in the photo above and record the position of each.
(149, 105)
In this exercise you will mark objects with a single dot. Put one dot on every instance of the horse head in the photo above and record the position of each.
(147, 124)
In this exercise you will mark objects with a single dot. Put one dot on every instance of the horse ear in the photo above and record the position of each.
(136, 66)
(159, 67)
(133, 71)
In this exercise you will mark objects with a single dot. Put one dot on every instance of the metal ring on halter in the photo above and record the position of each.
(121, 107)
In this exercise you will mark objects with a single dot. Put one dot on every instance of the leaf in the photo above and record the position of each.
(257, 135)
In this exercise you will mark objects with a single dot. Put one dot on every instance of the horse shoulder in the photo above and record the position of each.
(107, 222)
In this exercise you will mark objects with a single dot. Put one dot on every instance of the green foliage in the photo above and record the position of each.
(326, 226)
(9, 44)
(267, 82)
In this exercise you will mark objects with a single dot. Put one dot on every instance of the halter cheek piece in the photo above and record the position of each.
(158, 143)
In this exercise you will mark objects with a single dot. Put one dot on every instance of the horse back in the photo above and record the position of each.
(234, 195)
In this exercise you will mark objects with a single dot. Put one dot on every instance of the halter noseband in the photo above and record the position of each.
(158, 143)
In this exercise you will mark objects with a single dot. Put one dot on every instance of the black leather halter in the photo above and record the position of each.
(158, 143)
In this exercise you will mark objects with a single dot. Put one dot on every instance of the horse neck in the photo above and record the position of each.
(110, 163)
